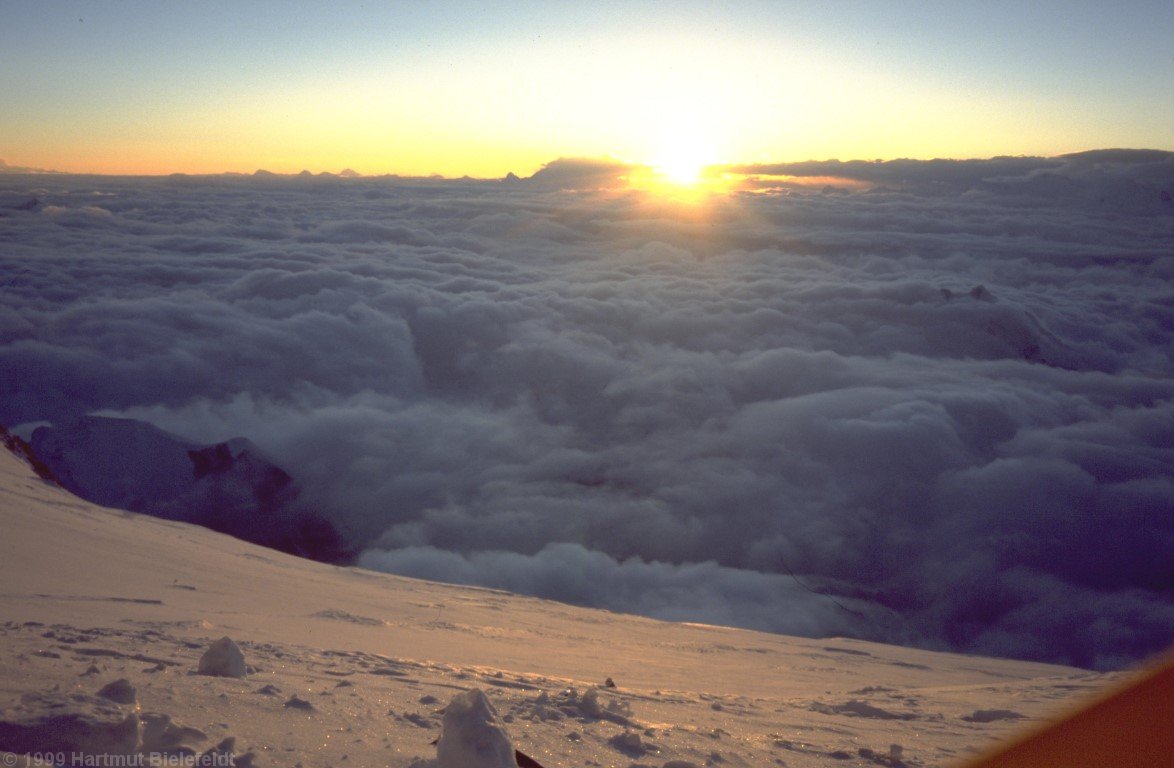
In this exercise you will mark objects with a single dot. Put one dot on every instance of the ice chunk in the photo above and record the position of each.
(223, 659)
(473, 735)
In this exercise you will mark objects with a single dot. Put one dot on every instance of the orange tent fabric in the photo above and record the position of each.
(1131, 726)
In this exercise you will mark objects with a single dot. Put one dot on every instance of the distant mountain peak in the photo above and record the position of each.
(6, 168)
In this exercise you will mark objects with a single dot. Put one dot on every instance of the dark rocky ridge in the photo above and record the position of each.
(229, 487)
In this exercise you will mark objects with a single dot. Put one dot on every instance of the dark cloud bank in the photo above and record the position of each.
(937, 410)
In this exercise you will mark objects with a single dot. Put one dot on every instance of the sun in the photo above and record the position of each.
(680, 161)
(684, 170)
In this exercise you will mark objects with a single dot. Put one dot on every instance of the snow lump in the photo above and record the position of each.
(223, 659)
(472, 735)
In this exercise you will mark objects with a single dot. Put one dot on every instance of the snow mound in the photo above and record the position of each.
(163, 736)
(473, 735)
(78, 724)
(121, 691)
(223, 658)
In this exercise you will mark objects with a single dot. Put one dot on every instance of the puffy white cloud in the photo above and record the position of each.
(949, 402)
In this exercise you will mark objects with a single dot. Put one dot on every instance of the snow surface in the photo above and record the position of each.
(352, 667)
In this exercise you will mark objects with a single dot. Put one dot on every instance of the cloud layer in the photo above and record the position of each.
(936, 411)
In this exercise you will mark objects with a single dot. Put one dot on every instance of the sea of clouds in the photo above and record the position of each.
(922, 402)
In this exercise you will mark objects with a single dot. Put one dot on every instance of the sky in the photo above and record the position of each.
(452, 88)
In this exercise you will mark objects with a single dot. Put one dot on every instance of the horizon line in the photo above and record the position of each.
(7, 169)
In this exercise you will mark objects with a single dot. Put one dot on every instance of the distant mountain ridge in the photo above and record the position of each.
(229, 487)
(6, 168)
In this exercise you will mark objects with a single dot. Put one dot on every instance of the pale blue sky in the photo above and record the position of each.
(486, 87)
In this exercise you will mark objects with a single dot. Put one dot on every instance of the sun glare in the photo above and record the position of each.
(680, 161)
(683, 170)
(680, 168)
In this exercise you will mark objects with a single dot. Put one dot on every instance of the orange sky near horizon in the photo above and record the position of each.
(156, 88)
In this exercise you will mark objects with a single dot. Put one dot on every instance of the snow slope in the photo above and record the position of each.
(350, 667)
